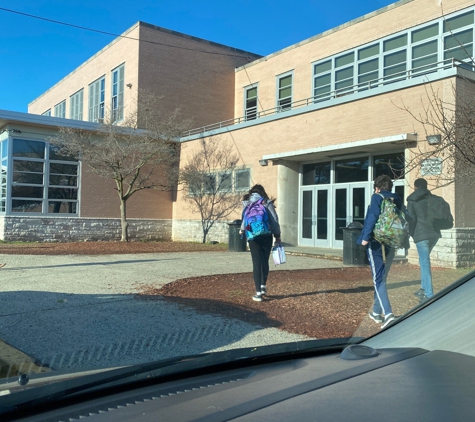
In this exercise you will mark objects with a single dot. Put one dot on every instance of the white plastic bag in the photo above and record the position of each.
(278, 254)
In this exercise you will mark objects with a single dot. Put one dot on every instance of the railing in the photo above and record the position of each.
(363, 86)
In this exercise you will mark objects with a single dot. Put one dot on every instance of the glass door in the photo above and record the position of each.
(349, 205)
(314, 217)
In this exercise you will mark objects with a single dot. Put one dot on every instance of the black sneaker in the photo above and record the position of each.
(422, 299)
(263, 290)
(376, 317)
(387, 320)
(257, 297)
(420, 293)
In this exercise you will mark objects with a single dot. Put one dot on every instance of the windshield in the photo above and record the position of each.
(190, 197)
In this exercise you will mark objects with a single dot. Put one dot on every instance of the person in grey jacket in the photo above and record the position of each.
(261, 246)
(424, 235)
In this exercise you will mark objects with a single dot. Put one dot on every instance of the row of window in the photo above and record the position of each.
(410, 53)
(355, 169)
(97, 105)
(212, 183)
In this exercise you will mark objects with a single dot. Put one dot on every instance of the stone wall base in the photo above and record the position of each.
(191, 231)
(65, 229)
(456, 249)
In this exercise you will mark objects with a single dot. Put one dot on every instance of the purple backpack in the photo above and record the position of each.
(256, 220)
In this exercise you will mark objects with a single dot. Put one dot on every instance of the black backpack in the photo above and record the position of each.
(438, 213)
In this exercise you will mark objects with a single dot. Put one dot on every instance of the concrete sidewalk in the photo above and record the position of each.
(79, 311)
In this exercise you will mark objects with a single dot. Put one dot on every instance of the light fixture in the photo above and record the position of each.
(129, 85)
(434, 139)
(263, 162)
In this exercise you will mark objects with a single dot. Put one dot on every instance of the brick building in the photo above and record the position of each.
(315, 123)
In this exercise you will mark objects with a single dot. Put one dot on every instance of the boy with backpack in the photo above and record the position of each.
(431, 213)
(380, 255)
(259, 223)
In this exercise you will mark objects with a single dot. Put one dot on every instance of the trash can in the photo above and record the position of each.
(353, 254)
(235, 242)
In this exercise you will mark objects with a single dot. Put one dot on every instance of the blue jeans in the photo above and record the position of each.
(424, 248)
(379, 270)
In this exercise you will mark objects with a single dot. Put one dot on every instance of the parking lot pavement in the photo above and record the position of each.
(77, 311)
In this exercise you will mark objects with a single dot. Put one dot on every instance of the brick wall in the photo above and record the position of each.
(191, 231)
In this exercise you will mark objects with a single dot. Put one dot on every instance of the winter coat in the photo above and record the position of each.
(372, 215)
(417, 205)
(273, 218)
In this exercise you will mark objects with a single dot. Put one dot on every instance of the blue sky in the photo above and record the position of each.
(35, 54)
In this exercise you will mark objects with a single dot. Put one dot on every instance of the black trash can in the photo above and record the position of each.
(353, 254)
(235, 242)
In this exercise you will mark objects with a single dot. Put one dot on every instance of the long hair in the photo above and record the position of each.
(259, 189)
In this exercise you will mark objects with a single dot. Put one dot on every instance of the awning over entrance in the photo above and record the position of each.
(339, 150)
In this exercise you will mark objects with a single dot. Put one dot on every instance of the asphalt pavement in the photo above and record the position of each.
(76, 312)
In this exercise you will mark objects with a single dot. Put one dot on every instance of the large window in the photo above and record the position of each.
(224, 181)
(60, 109)
(284, 92)
(3, 175)
(117, 103)
(96, 100)
(316, 173)
(76, 105)
(43, 182)
(46, 113)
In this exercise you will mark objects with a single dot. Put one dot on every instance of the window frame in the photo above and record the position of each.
(60, 110)
(76, 105)
(251, 113)
(96, 106)
(284, 103)
(117, 93)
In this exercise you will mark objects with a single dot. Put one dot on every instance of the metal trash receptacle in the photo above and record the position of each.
(353, 254)
(235, 242)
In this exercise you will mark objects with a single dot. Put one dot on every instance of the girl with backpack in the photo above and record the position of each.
(259, 223)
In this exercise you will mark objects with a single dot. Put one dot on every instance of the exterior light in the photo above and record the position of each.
(434, 139)
(263, 162)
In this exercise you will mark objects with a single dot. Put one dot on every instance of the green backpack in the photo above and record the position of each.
(391, 229)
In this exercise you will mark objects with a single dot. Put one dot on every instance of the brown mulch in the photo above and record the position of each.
(320, 303)
(105, 248)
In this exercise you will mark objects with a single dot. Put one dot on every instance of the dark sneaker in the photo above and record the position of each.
(420, 293)
(387, 320)
(257, 298)
(376, 317)
(263, 290)
(423, 298)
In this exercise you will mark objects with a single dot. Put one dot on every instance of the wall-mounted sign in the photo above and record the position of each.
(431, 167)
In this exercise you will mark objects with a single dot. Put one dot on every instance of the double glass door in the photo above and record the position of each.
(325, 211)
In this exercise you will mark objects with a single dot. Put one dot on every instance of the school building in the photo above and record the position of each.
(314, 123)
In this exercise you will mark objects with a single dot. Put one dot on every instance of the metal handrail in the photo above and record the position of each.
(363, 86)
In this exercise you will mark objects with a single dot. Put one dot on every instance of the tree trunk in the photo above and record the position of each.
(123, 220)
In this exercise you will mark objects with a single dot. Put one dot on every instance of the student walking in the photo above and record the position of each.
(424, 235)
(380, 261)
(259, 223)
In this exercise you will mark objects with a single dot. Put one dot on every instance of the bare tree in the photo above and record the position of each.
(208, 180)
(140, 153)
(449, 126)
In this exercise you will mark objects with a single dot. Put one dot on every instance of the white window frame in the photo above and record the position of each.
(60, 110)
(97, 100)
(117, 93)
(284, 103)
(76, 105)
(251, 113)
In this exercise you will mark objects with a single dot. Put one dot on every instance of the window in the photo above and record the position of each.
(389, 164)
(60, 110)
(3, 175)
(42, 181)
(351, 170)
(251, 103)
(46, 113)
(316, 173)
(225, 180)
(394, 63)
(284, 93)
(96, 100)
(75, 105)
(117, 104)
(322, 80)
(242, 179)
